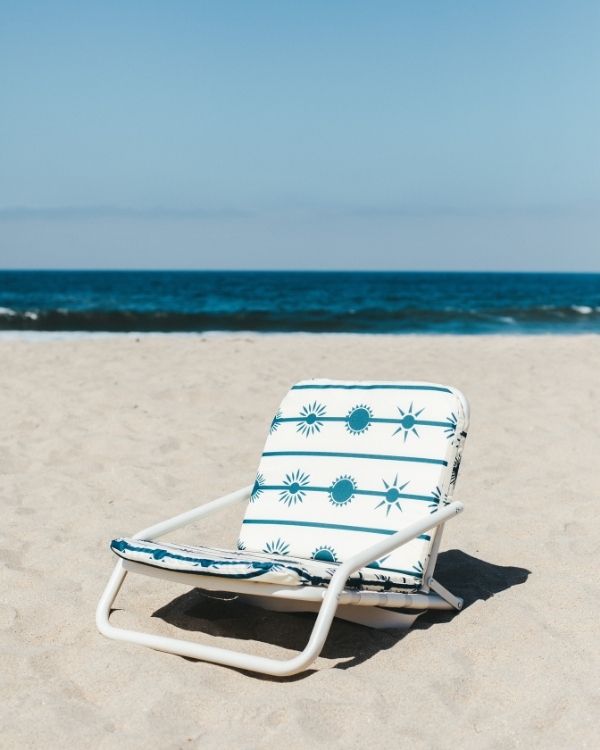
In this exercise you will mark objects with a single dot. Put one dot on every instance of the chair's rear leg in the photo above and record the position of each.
(442, 591)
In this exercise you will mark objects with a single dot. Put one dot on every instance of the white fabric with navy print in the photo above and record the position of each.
(346, 463)
(282, 570)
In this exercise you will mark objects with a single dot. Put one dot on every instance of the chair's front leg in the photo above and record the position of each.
(209, 653)
(258, 663)
(108, 596)
(276, 667)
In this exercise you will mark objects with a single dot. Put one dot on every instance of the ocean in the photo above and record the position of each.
(278, 301)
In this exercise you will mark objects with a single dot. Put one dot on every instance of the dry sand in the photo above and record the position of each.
(100, 437)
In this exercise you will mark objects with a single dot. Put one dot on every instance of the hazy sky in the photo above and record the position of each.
(305, 134)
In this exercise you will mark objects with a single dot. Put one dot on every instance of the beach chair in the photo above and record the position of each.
(344, 518)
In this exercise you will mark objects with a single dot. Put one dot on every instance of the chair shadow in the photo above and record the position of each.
(224, 614)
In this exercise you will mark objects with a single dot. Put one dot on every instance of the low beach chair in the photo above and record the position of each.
(344, 518)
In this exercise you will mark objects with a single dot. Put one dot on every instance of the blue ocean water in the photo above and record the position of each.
(196, 301)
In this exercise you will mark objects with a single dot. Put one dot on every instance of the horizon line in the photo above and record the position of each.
(301, 270)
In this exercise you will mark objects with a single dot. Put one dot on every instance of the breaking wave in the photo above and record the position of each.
(366, 320)
(361, 302)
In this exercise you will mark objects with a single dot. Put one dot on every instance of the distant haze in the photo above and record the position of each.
(388, 135)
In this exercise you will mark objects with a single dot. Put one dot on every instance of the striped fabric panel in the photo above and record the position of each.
(348, 462)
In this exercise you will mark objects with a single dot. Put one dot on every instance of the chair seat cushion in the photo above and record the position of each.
(243, 565)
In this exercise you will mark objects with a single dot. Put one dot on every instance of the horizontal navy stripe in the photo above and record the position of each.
(372, 420)
(303, 419)
(318, 525)
(382, 386)
(417, 422)
(401, 495)
(370, 493)
(375, 456)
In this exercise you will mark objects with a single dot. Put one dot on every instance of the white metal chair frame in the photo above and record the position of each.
(365, 607)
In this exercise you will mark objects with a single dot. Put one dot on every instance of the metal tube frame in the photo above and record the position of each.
(330, 598)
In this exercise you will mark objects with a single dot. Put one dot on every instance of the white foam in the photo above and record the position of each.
(582, 309)
(7, 312)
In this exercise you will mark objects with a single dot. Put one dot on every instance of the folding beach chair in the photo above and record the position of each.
(344, 518)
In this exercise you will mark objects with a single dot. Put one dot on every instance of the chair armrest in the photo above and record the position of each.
(164, 527)
(413, 530)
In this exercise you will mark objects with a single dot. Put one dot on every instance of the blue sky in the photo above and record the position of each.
(400, 135)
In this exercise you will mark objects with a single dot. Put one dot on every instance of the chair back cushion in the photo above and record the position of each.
(346, 463)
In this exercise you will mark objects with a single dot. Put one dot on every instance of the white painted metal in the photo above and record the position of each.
(332, 596)
(183, 519)
(455, 602)
(432, 558)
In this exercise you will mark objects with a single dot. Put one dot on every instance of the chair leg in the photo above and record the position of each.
(276, 667)
(109, 594)
(455, 601)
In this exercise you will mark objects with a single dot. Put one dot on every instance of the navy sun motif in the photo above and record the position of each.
(392, 495)
(277, 547)
(342, 490)
(438, 497)
(450, 429)
(358, 419)
(257, 489)
(310, 419)
(275, 423)
(294, 483)
(326, 553)
(408, 421)
(418, 569)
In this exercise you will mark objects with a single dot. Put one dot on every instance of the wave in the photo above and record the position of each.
(325, 319)
(7, 312)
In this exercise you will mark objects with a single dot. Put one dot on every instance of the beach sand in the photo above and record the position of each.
(101, 437)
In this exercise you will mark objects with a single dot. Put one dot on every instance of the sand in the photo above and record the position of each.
(101, 437)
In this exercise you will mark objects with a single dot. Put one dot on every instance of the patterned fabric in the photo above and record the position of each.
(276, 569)
(347, 463)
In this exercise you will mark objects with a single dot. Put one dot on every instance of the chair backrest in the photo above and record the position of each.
(348, 462)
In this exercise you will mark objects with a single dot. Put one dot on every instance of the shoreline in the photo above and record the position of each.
(34, 336)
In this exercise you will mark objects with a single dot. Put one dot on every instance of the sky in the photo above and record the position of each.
(234, 134)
